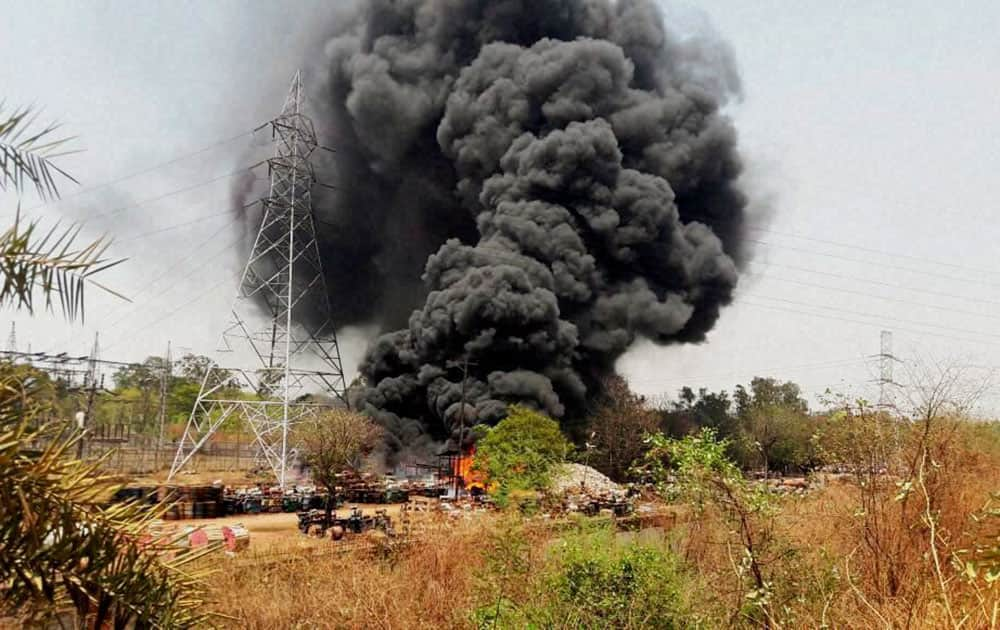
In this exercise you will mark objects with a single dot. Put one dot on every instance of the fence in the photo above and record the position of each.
(138, 454)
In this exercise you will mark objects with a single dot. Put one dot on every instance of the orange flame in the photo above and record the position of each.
(462, 468)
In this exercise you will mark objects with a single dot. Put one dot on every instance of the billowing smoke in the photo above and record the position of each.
(526, 184)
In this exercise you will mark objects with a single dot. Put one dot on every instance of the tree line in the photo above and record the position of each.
(767, 425)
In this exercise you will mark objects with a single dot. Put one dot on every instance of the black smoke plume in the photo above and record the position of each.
(526, 184)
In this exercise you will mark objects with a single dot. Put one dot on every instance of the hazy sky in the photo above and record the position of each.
(869, 133)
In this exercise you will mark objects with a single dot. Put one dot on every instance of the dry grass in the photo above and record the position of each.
(826, 569)
(428, 584)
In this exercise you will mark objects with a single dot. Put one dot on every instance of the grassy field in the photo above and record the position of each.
(824, 573)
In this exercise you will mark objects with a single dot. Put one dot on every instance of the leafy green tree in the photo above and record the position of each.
(779, 437)
(140, 375)
(769, 392)
(193, 367)
(766, 424)
(520, 452)
(775, 428)
(704, 409)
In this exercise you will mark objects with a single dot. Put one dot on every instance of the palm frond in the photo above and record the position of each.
(27, 151)
(66, 552)
(50, 264)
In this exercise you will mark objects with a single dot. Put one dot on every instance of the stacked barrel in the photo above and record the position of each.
(192, 502)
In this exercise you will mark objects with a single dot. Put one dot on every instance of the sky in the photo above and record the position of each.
(868, 131)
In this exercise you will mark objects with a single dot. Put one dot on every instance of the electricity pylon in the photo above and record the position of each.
(281, 315)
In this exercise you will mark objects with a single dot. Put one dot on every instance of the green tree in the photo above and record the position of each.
(778, 437)
(139, 375)
(766, 392)
(692, 411)
(193, 367)
(588, 578)
(519, 453)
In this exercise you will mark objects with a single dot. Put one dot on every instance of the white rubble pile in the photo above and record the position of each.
(572, 478)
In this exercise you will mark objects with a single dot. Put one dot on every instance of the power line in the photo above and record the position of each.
(875, 296)
(171, 313)
(883, 317)
(871, 263)
(147, 170)
(859, 321)
(178, 191)
(169, 228)
(805, 366)
(170, 269)
(65, 359)
(873, 250)
(877, 283)
(186, 276)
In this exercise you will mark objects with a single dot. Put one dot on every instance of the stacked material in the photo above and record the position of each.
(580, 488)
(192, 501)
(231, 538)
(236, 538)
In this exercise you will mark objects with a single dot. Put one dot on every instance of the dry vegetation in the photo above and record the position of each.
(430, 584)
(862, 551)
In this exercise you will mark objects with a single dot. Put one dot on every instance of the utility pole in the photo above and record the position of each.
(166, 372)
(91, 384)
(461, 413)
(12, 339)
(283, 276)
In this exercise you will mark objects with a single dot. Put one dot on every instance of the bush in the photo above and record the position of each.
(520, 452)
(589, 579)
(696, 470)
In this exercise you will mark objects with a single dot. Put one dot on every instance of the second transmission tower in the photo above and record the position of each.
(281, 315)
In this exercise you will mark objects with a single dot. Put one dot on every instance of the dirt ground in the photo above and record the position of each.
(268, 531)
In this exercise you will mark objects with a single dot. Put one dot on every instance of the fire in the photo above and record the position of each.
(462, 468)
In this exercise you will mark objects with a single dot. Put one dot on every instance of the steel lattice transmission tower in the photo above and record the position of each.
(886, 361)
(281, 316)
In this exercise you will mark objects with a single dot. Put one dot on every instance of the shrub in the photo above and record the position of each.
(590, 579)
(696, 470)
(520, 452)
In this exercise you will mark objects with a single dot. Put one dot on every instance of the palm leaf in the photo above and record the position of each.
(63, 551)
(27, 151)
(51, 265)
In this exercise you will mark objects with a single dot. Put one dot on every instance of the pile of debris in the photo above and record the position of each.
(571, 477)
(579, 488)
(792, 485)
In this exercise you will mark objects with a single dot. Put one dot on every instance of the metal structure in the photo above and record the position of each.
(280, 318)
(92, 381)
(885, 382)
(69, 372)
(165, 375)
